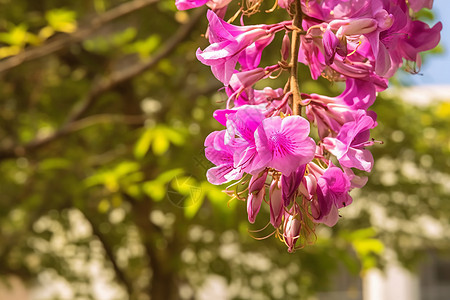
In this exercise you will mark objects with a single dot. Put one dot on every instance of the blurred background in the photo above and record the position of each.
(103, 113)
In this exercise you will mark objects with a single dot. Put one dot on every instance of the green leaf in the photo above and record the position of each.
(154, 190)
(160, 143)
(143, 144)
(169, 175)
(145, 47)
(175, 137)
(193, 202)
(185, 184)
(62, 20)
(125, 168)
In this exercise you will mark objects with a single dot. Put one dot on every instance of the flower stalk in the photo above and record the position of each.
(295, 48)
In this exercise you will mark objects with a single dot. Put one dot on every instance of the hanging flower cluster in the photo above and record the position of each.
(266, 141)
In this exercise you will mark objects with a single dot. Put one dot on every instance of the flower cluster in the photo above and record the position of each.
(266, 141)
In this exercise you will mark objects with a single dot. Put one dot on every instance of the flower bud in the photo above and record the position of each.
(291, 228)
(285, 47)
(257, 183)
(254, 204)
(256, 193)
(276, 204)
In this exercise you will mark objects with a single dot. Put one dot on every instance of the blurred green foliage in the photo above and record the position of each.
(103, 165)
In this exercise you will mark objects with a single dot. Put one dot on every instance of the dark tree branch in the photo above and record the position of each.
(121, 276)
(163, 281)
(100, 86)
(81, 34)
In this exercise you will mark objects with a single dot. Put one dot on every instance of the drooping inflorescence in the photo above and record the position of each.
(266, 142)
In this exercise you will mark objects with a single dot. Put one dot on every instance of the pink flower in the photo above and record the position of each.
(233, 150)
(349, 145)
(241, 128)
(222, 156)
(420, 38)
(332, 193)
(330, 113)
(230, 44)
(284, 144)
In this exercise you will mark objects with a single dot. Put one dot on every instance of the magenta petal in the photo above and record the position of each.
(383, 62)
(331, 219)
(245, 122)
(284, 143)
(287, 163)
(188, 4)
(222, 115)
(421, 38)
(357, 158)
(417, 5)
(251, 57)
(330, 42)
(358, 94)
(296, 127)
(290, 184)
(222, 174)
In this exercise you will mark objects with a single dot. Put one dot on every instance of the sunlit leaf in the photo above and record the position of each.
(62, 20)
(143, 143)
(9, 51)
(160, 142)
(193, 203)
(125, 168)
(185, 184)
(154, 190)
(169, 175)
(145, 47)
(176, 137)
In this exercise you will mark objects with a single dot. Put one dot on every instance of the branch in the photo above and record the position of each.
(121, 76)
(109, 253)
(103, 85)
(293, 79)
(79, 35)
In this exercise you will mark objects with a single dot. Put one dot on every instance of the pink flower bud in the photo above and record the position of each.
(256, 193)
(276, 204)
(254, 204)
(257, 183)
(285, 47)
(292, 226)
